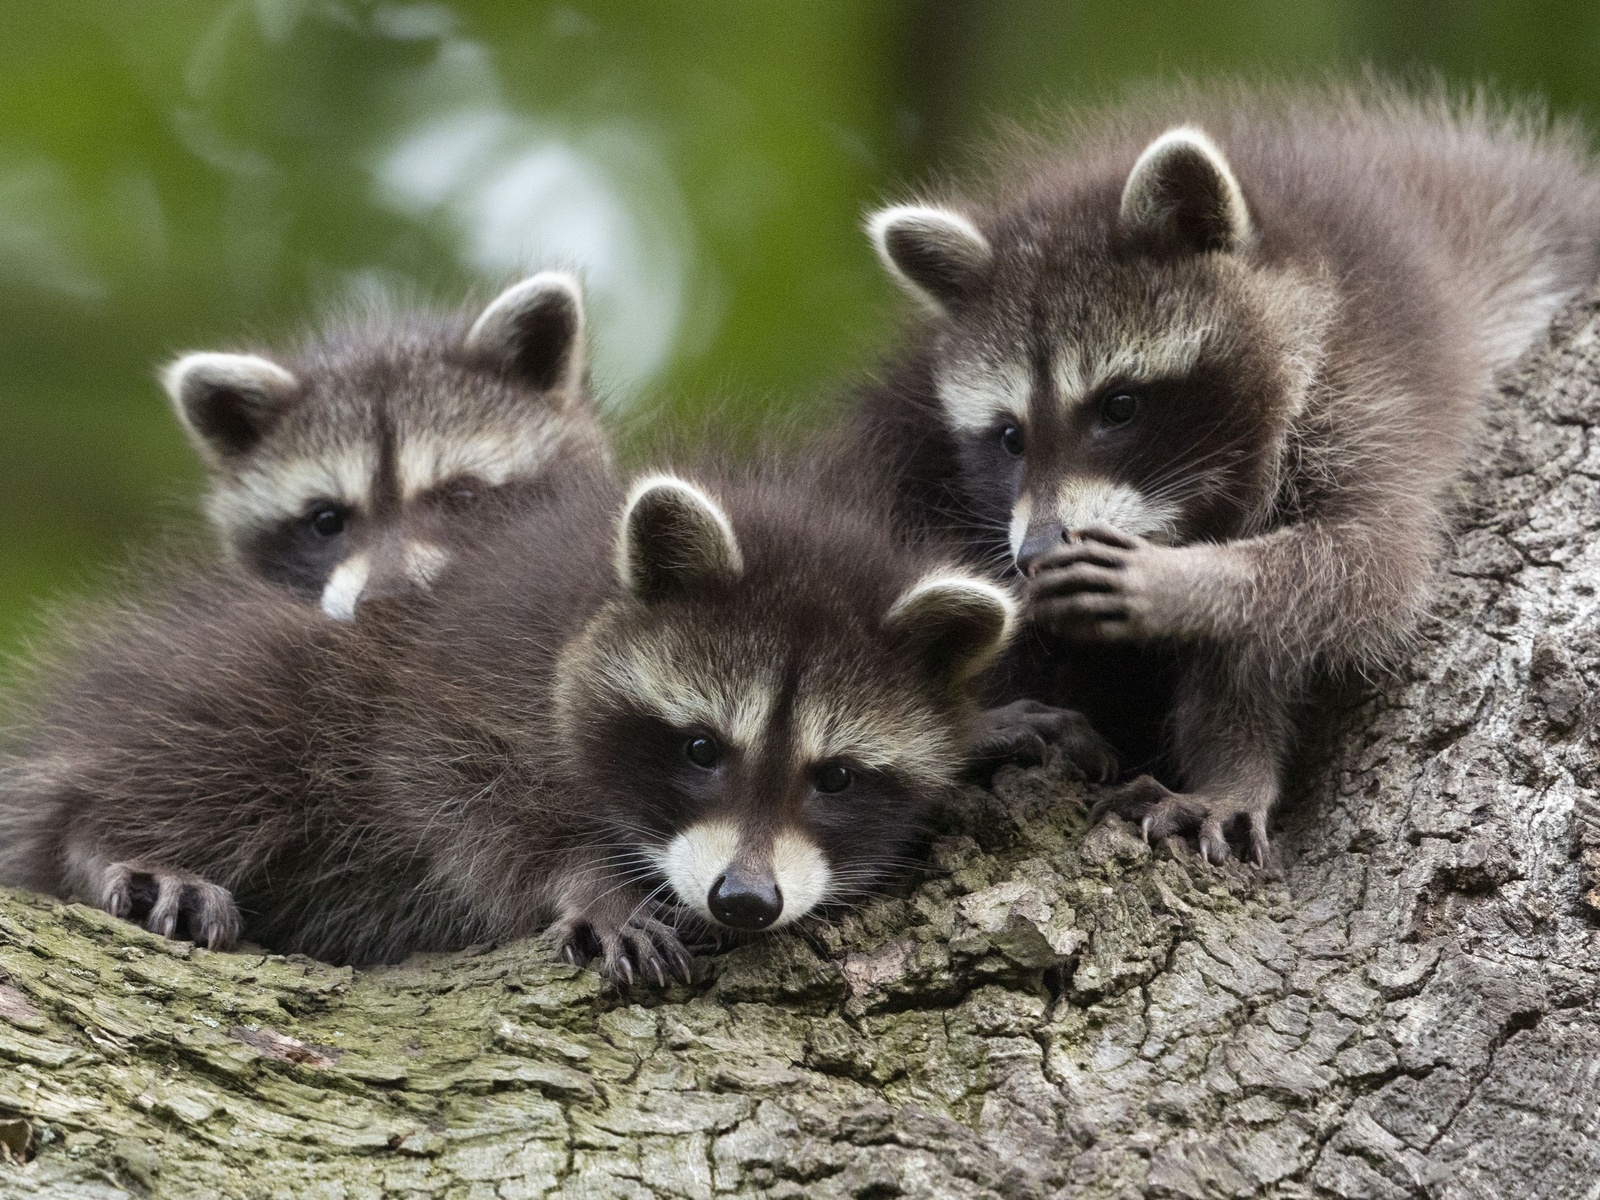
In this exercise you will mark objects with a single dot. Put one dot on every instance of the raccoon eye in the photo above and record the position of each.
(462, 491)
(1119, 409)
(702, 752)
(328, 520)
(1013, 441)
(834, 778)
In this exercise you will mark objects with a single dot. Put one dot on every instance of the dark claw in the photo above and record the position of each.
(624, 949)
(172, 904)
(643, 949)
(1161, 813)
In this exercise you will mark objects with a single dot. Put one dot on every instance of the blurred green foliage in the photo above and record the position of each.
(180, 174)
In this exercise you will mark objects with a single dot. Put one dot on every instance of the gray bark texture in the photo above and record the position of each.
(1403, 1005)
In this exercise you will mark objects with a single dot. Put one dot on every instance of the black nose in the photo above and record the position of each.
(745, 901)
(1038, 543)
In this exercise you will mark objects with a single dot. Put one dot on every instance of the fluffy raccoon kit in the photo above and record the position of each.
(726, 705)
(355, 467)
(1206, 375)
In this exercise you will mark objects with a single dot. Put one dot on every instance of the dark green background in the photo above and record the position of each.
(182, 173)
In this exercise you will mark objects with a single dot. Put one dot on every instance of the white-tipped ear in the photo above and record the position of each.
(535, 329)
(1183, 191)
(933, 253)
(957, 623)
(228, 402)
(672, 536)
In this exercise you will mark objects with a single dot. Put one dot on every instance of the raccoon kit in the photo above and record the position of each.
(726, 706)
(353, 468)
(1205, 374)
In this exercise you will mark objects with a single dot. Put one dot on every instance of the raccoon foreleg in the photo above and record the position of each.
(615, 924)
(1230, 735)
(1307, 592)
(165, 901)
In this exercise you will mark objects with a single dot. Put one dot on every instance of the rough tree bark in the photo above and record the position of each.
(1404, 1005)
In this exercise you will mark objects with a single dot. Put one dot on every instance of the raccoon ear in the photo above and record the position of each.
(933, 253)
(672, 536)
(228, 402)
(1183, 191)
(958, 623)
(535, 330)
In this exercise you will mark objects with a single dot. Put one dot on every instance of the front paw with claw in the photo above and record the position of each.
(1022, 732)
(624, 948)
(173, 904)
(1161, 813)
(1107, 586)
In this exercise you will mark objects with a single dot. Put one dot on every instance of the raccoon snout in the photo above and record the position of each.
(745, 900)
(1037, 544)
(398, 569)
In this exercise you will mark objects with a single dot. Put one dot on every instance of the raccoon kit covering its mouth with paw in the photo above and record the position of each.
(1206, 374)
(354, 468)
(723, 708)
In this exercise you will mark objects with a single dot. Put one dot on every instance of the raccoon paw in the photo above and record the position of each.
(171, 903)
(1162, 813)
(1107, 586)
(638, 945)
(1022, 732)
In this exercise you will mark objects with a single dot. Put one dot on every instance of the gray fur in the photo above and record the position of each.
(1306, 328)
(406, 424)
(220, 759)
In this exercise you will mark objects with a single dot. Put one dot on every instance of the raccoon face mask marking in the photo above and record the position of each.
(294, 490)
(770, 742)
(403, 424)
(1144, 380)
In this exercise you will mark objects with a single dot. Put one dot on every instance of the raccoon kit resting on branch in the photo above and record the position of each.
(717, 706)
(353, 469)
(1205, 375)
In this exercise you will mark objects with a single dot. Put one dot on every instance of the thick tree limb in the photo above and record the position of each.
(1404, 1006)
